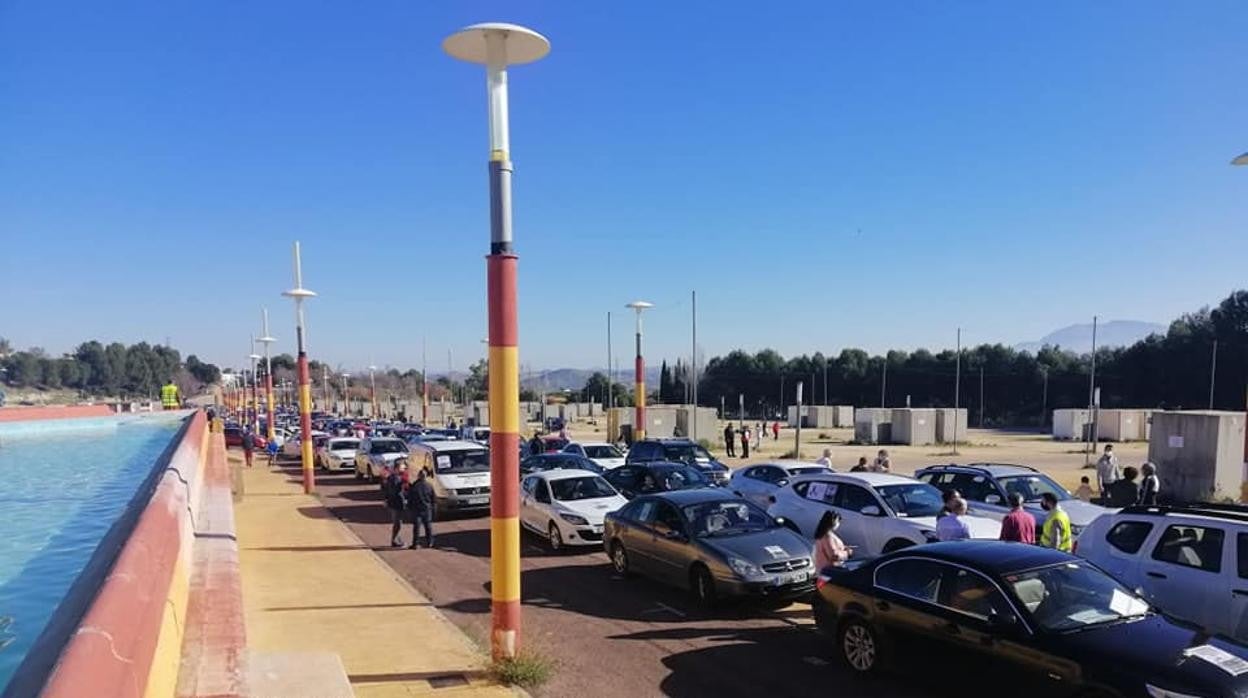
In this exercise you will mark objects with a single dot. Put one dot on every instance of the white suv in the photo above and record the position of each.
(1190, 561)
(879, 512)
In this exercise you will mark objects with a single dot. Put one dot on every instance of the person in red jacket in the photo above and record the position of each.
(1018, 525)
(775, 430)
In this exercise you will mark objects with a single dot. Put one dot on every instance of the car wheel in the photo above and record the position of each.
(619, 559)
(702, 584)
(554, 538)
(859, 646)
(897, 544)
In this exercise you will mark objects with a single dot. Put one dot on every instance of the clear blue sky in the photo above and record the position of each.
(824, 174)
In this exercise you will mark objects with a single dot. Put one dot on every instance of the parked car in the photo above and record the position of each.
(880, 512)
(1190, 561)
(234, 437)
(374, 455)
(459, 473)
(678, 451)
(339, 453)
(985, 487)
(1032, 618)
(567, 506)
(558, 461)
(600, 452)
(711, 542)
(293, 447)
(648, 478)
(759, 482)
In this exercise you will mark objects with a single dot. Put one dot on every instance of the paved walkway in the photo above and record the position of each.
(311, 586)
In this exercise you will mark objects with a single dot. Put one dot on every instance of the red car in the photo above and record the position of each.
(234, 437)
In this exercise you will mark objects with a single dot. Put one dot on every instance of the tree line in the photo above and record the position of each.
(114, 370)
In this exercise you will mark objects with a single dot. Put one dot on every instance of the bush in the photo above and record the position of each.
(527, 670)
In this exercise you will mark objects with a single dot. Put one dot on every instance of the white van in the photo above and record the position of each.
(458, 470)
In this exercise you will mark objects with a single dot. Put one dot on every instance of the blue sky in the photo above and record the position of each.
(865, 174)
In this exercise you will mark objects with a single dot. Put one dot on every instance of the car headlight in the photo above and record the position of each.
(574, 519)
(744, 568)
(1155, 692)
(1075, 530)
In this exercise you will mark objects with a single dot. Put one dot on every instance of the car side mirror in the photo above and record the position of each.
(870, 510)
(1001, 621)
(673, 535)
(992, 499)
(781, 521)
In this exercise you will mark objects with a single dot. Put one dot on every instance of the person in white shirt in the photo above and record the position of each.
(1107, 472)
(881, 464)
(953, 526)
(826, 461)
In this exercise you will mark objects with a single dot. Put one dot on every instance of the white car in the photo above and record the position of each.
(459, 472)
(567, 506)
(600, 452)
(760, 481)
(879, 512)
(292, 448)
(373, 455)
(339, 453)
(1190, 561)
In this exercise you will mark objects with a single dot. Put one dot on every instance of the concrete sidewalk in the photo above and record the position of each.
(312, 590)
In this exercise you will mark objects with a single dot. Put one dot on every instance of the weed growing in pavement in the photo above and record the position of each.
(527, 670)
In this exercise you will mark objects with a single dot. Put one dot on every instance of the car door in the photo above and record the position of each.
(1184, 567)
(1120, 549)
(542, 504)
(813, 499)
(670, 545)
(905, 606)
(752, 485)
(624, 480)
(860, 530)
(527, 503)
(638, 537)
(1237, 625)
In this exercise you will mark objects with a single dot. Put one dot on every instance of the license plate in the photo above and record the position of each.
(597, 529)
(478, 500)
(791, 578)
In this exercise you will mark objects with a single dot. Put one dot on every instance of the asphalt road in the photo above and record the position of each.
(612, 636)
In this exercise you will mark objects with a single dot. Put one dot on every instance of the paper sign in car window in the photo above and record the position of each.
(1220, 658)
(444, 462)
(817, 491)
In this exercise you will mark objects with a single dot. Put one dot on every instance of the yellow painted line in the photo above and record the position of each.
(505, 559)
(505, 390)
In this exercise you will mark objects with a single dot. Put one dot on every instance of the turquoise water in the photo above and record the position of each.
(63, 484)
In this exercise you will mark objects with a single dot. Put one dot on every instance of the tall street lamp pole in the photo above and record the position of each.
(255, 387)
(346, 398)
(1242, 160)
(372, 388)
(496, 46)
(266, 340)
(299, 294)
(639, 378)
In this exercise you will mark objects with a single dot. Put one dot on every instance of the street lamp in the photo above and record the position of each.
(639, 379)
(346, 399)
(496, 46)
(255, 387)
(299, 294)
(372, 388)
(266, 340)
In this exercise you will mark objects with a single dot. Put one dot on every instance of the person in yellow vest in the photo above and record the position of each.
(169, 398)
(1055, 533)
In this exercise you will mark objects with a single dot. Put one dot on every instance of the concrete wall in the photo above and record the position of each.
(945, 423)
(794, 417)
(1068, 424)
(22, 414)
(1199, 454)
(1121, 425)
(707, 424)
(842, 416)
(914, 426)
(873, 425)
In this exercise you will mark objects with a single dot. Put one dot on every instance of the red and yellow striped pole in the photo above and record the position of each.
(300, 294)
(497, 45)
(639, 388)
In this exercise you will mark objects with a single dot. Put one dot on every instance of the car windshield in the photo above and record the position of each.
(812, 470)
(469, 461)
(710, 519)
(566, 461)
(344, 445)
(686, 453)
(1074, 595)
(672, 477)
(603, 452)
(1032, 487)
(911, 499)
(389, 446)
(573, 489)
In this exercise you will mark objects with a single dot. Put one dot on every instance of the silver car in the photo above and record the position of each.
(711, 542)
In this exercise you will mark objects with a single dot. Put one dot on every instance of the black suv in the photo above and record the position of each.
(678, 451)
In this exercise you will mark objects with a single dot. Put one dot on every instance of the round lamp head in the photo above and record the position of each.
(1241, 160)
(640, 305)
(255, 357)
(523, 45)
(298, 293)
(266, 340)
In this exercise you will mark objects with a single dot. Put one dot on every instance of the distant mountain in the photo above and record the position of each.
(574, 378)
(1078, 338)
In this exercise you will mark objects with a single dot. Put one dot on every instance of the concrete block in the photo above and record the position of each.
(322, 674)
(1199, 454)
(914, 426)
(1069, 424)
(947, 419)
(707, 425)
(842, 416)
(1120, 425)
(873, 425)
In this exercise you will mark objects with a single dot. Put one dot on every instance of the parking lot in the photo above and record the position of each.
(611, 636)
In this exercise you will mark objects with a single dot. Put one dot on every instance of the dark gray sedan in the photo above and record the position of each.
(711, 542)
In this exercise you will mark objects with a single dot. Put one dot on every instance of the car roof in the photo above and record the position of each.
(563, 474)
(696, 496)
(589, 443)
(658, 464)
(788, 464)
(446, 446)
(1236, 513)
(993, 469)
(348, 438)
(870, 479)
(993, 556)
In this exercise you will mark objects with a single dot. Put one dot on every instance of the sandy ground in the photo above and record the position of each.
(1062, 460)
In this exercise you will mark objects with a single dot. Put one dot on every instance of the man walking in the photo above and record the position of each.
(730, 441)
(745, 442)
(1107, 472)
(249, 445)
(420, 500)
(1055, 533)
(1018, 526)
(775, 431)
(394, 496)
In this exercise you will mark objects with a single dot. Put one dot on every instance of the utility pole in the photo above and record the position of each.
(741, 408)
(299, 294)
(884, 381)
(981, 394)
(797, 438)
(1091, 446)
(1044, 399)
(693, 365)
(1213, 372)
(957, 391)
(825, 381)
(610, 365)
(325, 385)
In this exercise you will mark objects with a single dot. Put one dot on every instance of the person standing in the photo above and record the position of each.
(1055, 533)
(881, 464)
(271, 449)
(1126, 491)
(1150, 486)
(730, 439)
(826, 460)
(953, 526)
(758, 435)
(420, 500)
(169, 398)
(862, 466)
(535, 444)
(249, 445)
(1018, 526)
(394, 497)
(745, 442)
(775, 431)
(1107, 472)
(1084, 492)
(830, 550)
(947, 499)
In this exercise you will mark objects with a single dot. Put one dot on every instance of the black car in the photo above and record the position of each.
(648, 478)
(558, 461)
(678, 451)
(1037, 620)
